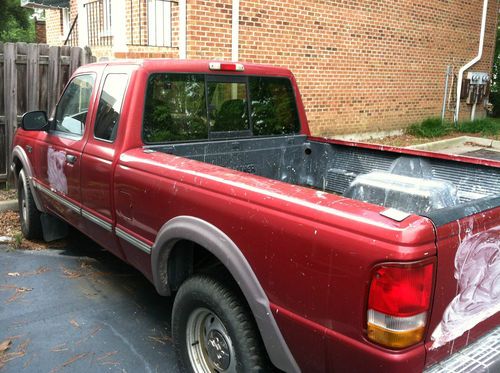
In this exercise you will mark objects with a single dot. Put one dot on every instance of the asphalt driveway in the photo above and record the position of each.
(80, 310)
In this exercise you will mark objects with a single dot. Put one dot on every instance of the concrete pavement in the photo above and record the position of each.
(80, 310)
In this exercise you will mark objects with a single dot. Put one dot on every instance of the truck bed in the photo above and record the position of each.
(333, 168)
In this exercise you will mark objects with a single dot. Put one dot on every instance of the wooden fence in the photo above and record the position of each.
(32, 77)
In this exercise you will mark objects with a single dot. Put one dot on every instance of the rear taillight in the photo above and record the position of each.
(398, 303)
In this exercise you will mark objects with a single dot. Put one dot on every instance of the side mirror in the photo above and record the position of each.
(34, 121)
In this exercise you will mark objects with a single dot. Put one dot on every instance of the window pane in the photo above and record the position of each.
(159, 23)
(227, 106)
(274, 111)
(175, 108)
(72, 108)
(110, 106)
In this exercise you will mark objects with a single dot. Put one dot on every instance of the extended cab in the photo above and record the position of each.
(282, 250)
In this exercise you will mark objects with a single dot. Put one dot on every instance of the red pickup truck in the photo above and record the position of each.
(282, 250)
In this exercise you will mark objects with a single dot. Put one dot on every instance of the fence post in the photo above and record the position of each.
(75, 57)
(53, 77)
(32, 76)
(10, 98)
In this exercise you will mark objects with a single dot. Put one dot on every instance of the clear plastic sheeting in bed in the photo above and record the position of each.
(410, 194)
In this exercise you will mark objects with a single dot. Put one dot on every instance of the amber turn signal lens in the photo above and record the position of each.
(395, 339)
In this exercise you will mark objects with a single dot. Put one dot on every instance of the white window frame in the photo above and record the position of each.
(159, 23)
(107, 30)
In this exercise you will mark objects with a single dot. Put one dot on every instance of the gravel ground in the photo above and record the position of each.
(7, 194)
(10, 227)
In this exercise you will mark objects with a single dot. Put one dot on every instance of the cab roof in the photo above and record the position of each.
(194, 66)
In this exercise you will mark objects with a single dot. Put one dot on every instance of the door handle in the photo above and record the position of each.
(71, 158)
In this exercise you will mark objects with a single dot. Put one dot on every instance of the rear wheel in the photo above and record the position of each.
(213, 330)
(29, 216)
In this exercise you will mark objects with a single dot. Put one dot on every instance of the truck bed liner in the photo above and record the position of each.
(333, 167)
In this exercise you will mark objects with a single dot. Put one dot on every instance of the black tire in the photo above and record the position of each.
(29, 215)
(231, 330)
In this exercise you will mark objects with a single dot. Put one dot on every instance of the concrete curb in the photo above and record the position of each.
(457, 141)
(9, 205)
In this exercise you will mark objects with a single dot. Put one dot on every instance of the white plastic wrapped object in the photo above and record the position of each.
(405, 193)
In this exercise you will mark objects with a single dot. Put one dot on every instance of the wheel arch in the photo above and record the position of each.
(21, 161)
(217, 243)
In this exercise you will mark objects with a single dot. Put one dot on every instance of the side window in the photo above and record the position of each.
(274, 111)
(110, 106)
(73, 106)
(175, 108)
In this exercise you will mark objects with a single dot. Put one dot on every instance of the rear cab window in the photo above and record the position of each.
(190, 107)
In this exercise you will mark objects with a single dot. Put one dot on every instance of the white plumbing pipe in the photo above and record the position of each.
(235, 30)
(471, 62)
(182, 29)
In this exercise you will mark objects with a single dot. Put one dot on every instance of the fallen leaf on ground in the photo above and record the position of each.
(59, 348)
(19, 292)
(40, 270)
(74, 358)
(94, 331)
(68, 273)
(162, 339)
(106, 355)
(74, 323)
(20, 352)
(69, 362)
(5, 345)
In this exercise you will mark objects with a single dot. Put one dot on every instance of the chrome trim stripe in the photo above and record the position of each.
(96, 220)
(58, 198)
(133, 241)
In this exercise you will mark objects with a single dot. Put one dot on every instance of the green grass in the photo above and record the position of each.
(486, 126)
(433, 127)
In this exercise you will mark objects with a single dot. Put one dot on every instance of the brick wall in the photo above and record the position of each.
(53, 25)
(366, 65)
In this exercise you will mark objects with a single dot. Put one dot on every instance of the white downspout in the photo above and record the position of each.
(235, 30)
(82, 25)
(471, 62)
(182, 30)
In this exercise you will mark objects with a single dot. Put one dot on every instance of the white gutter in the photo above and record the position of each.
(235, 30)
(182, 30)
(471, 62)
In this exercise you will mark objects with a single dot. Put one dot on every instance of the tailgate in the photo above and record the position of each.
(467, 292)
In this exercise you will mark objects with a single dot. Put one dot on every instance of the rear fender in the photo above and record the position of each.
(222, 247)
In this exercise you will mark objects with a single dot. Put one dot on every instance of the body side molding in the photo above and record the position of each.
(222, 247)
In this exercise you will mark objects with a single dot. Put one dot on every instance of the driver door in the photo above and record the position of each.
(59, 154)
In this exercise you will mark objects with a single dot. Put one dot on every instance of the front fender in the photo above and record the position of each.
(18, 154)
(221, 246)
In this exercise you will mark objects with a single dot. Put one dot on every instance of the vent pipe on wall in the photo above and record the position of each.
(471, 62)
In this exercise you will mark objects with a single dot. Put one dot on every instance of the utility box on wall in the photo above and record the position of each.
(477, 88)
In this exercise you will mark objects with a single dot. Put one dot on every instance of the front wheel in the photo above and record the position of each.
(213, 330)
(29, 216)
